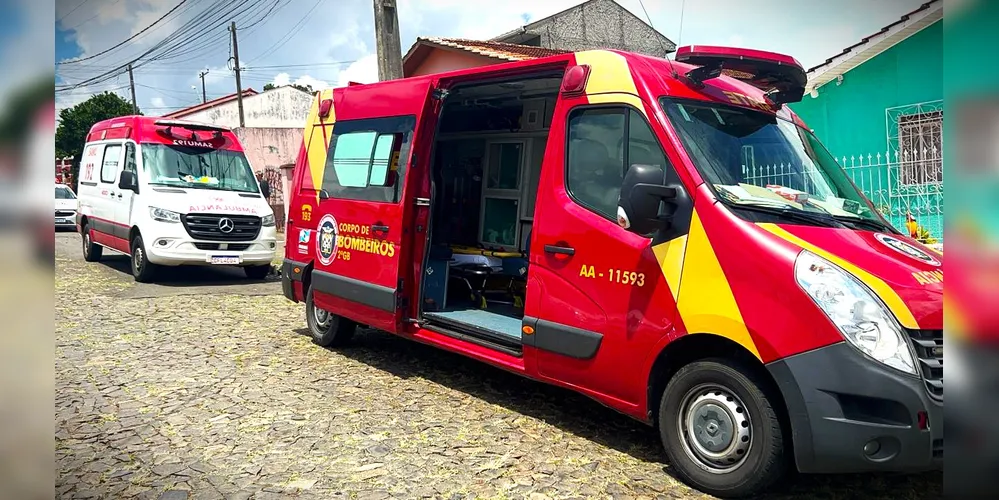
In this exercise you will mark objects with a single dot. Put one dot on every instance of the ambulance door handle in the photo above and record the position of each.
(560, 250)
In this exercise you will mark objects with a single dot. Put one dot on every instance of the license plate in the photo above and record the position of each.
(62, 221)
(224, 259)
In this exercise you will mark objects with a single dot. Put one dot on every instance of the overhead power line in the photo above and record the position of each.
(72, 11)
(291, 33)
(123, 42)
(91, 18)
(194, 32)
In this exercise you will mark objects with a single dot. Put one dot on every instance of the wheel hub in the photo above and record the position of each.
(715, 428)
(322, 317)
(138, 258)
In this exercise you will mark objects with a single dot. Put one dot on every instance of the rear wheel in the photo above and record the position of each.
(327, 329)
(257, 272)
(720, 431)
(142, 269)
(92, 252)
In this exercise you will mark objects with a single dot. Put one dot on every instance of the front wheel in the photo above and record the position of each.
(142, 269)
(721, 433)
(327, 329)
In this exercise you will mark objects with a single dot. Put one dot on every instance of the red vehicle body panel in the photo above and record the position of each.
(737, 277)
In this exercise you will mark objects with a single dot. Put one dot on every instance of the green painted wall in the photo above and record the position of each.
(849, 118)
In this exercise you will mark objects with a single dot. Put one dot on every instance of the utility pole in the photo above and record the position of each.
(131, 84)
(239, 86)
(387, 44)
(204, 97)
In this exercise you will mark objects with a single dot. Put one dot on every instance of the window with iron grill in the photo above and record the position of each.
(920, 142)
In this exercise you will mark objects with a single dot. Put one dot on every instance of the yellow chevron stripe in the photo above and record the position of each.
(705, 300)
(670, 257)
(885, 292)
(610, 79)
(318, 144)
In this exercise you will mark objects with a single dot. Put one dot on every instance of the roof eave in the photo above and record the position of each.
(874, 46)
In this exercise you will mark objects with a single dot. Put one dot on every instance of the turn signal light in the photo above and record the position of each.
(527, 330)
(324, 107)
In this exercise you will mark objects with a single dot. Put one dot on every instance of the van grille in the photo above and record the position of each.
(64, 213)
(236, 247)
(928, 346)
(206, 227)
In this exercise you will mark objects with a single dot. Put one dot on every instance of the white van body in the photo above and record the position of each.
(168, 219)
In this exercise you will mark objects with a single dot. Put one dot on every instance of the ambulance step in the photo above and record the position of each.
(504, 330)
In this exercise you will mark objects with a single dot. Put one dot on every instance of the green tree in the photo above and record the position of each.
(17, 120)
(75, 123)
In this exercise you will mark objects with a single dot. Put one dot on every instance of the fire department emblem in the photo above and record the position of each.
(326, 244)
(905, 248)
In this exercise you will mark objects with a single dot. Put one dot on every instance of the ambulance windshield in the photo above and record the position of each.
(196, 167)
(756, 160)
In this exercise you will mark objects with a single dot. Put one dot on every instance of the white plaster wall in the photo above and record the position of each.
(283, 107)
(270, 147)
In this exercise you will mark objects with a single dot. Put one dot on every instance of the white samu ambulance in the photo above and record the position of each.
(171, 193)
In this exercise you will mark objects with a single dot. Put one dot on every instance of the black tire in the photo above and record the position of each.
(726, 395)
(92, 252)
(142, 270)
(335, 331)
(257, 272)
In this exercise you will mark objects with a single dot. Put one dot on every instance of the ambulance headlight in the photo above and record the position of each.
(862, 319)
(161, 215)
(267, 220)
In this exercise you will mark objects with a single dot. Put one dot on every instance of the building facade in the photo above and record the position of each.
(596, 24)
(878, 108)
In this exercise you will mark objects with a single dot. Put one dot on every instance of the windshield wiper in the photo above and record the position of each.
(868, 223)
(792, 214)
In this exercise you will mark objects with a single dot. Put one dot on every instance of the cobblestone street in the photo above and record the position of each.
(209, 387)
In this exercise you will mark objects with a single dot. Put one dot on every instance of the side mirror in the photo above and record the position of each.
(129, 181)
(642, 193)
(265, 189)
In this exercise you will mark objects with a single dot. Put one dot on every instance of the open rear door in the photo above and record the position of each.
(363, 243)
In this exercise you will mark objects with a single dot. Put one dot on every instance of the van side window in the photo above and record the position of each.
(603, 142)
(109, 167)
(367, 158)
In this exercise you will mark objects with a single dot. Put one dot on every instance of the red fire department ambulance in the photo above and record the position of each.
(665, 237)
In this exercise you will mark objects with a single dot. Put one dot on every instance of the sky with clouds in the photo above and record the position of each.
(330, 42)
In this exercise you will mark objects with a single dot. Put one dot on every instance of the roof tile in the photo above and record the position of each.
(496, 50)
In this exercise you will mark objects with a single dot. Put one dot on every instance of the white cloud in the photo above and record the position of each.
(282, 79)
(158, 102)
(308, 81)
(364, 70)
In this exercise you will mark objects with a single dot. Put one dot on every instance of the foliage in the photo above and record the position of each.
(75, 123)
(923, 236)
(303, 88)
(22, 106)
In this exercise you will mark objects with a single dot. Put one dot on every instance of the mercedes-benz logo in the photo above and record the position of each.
(226, 225)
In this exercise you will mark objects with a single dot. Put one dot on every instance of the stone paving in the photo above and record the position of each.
(216, 394)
